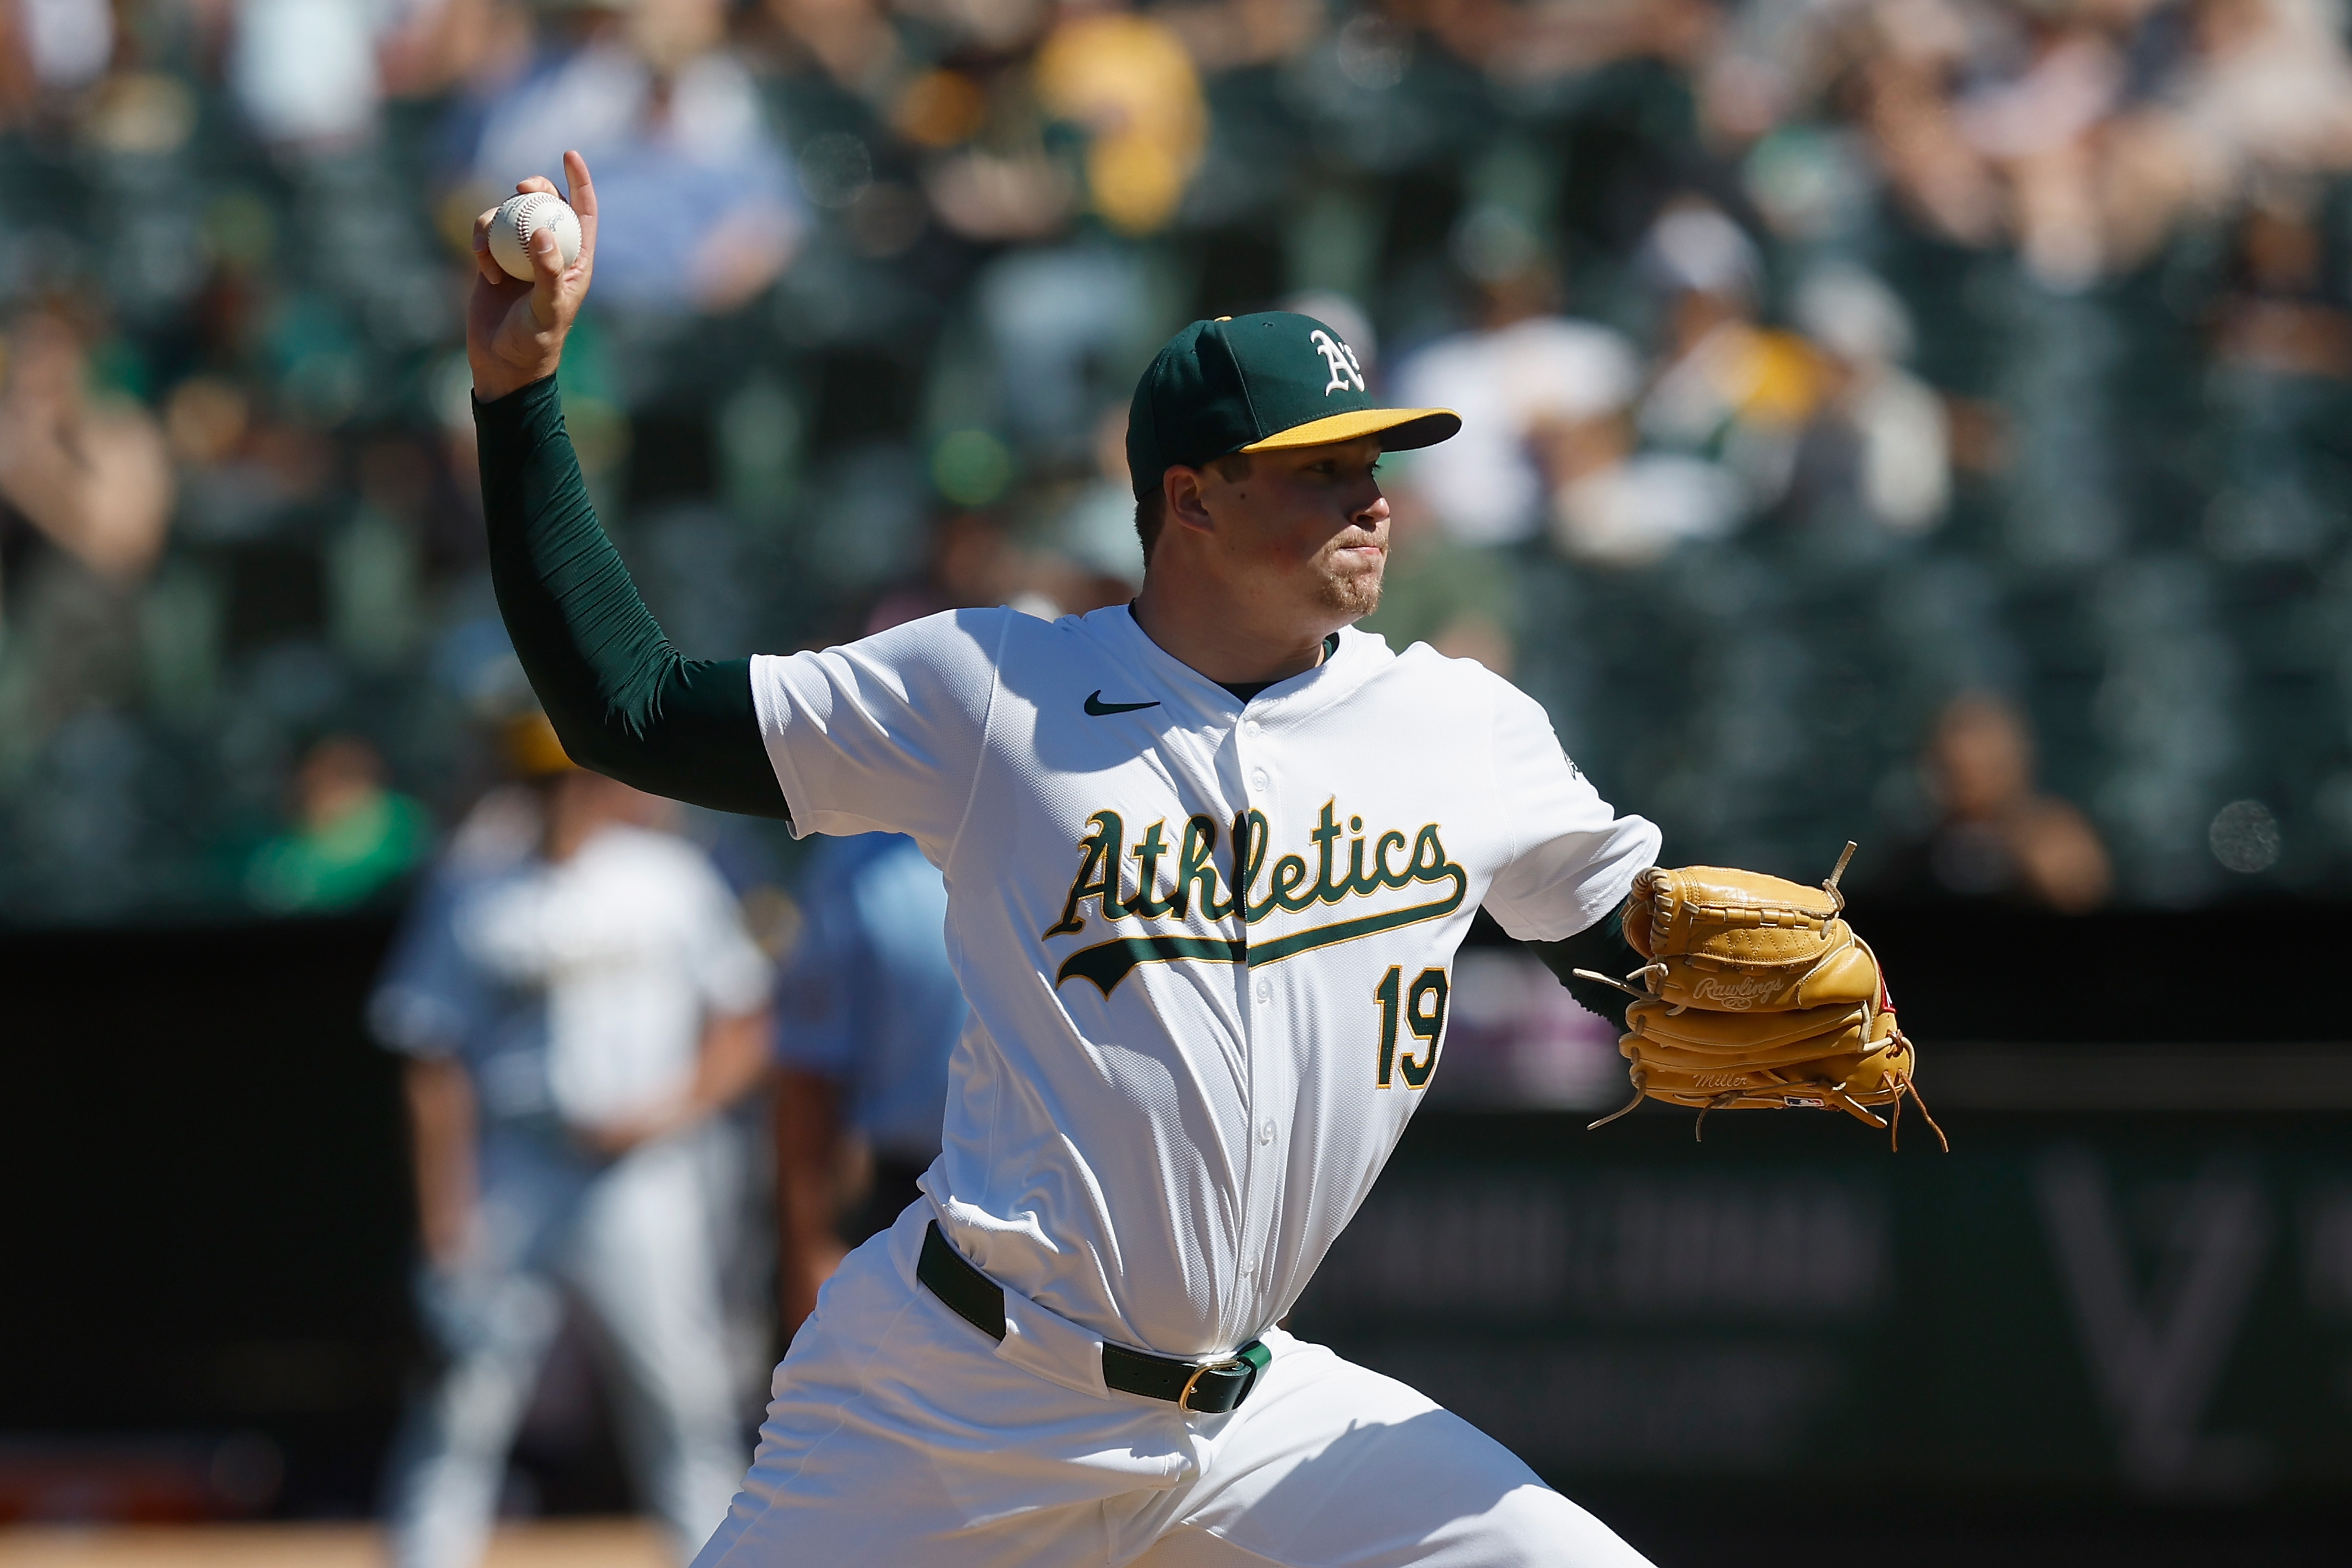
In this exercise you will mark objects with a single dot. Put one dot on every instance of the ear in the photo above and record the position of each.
(1182, 488)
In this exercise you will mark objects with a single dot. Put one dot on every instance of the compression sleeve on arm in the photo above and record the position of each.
(623, 701)
(1600, 947)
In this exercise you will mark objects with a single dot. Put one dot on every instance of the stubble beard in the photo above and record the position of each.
(1354, 595)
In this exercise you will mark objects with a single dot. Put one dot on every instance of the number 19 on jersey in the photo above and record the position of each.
(1421, 1010)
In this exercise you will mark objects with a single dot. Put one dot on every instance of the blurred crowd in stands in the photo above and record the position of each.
(1921, 421)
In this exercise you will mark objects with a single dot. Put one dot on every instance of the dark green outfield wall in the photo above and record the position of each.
(2119, 1310)
(2119, 1330)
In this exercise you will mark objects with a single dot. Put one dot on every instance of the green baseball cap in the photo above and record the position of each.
(1254, 384)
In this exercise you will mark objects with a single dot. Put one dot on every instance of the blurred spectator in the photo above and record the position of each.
(1613, 504)
(2036, 129)
(2283, 351)
(427, 47)
(2090, 255)
(2090, 133)
(1057, 319)
(1526, 370)
(85, 497)
(577, 997)
(1224, 34)
(50, 49)
(867, 1013)
(998, 128)
(2264, 94)
(1726, 390)
(696, 204)
(351, 837)
(972, 562)
(84, 466)
(1879, 444)
(850, 40)
(1127, 79)
(304, 71)
(1998, 837)
(2282, 316)
(974, 559)
(1458, 598)
(1096, 530)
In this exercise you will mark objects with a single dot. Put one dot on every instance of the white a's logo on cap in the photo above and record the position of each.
(1344, 372)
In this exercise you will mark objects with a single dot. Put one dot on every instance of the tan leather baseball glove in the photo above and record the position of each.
(1756, 994)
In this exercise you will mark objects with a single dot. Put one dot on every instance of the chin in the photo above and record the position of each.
(1354, 595)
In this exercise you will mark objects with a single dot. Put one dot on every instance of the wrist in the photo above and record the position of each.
(515, 403)
(495, 377)
(493, 382)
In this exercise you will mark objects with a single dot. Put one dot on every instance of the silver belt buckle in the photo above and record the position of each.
(1184, 1400)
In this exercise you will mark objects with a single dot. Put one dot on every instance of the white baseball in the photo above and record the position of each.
(525, 215)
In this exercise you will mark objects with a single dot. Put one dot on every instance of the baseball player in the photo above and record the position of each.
(1209, 857)
(577, 1000)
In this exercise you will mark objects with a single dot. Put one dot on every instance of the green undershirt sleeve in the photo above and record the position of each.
(623, 701)
(1600, 947)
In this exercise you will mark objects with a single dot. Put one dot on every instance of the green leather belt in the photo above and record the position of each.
(1204, 1388)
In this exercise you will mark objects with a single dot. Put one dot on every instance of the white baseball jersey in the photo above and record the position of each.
(1206, 943)
(576, 989)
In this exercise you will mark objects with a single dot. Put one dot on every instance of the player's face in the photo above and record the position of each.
(1308, 526)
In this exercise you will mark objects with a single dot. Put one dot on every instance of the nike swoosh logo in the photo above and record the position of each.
(1098, 708)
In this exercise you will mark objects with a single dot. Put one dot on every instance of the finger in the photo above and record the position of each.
(583, 189)
(538, 183)
(583, 203)
(490, 269)
(546, 276)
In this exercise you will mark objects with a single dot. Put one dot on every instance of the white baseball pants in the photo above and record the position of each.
(901, 1435)
(633, 1239)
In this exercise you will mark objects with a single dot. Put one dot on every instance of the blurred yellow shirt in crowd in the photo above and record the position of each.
(1128, 80)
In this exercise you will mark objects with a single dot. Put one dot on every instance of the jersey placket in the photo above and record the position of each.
(1264, 1158)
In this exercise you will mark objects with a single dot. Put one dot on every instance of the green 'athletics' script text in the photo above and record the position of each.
(1195, 892)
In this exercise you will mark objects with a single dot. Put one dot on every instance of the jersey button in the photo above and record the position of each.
(1266, 1131)
(1250, 726)
(1257, 780)
(1266, 990)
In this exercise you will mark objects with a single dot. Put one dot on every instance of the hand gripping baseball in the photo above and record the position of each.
(515, 330)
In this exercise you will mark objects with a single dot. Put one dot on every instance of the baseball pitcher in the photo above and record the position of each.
(1209, 856)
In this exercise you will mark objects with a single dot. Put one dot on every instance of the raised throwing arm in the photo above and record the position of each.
(623, 701)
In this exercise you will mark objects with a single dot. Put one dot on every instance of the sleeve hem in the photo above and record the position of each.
(772, 721)
(1613, 892)
(515, 404)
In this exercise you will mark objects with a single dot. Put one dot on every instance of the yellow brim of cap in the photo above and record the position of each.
(1402, 429)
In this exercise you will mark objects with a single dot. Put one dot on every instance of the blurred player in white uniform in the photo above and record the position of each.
(576, 996)
(868, 1013)
(1209, 857)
